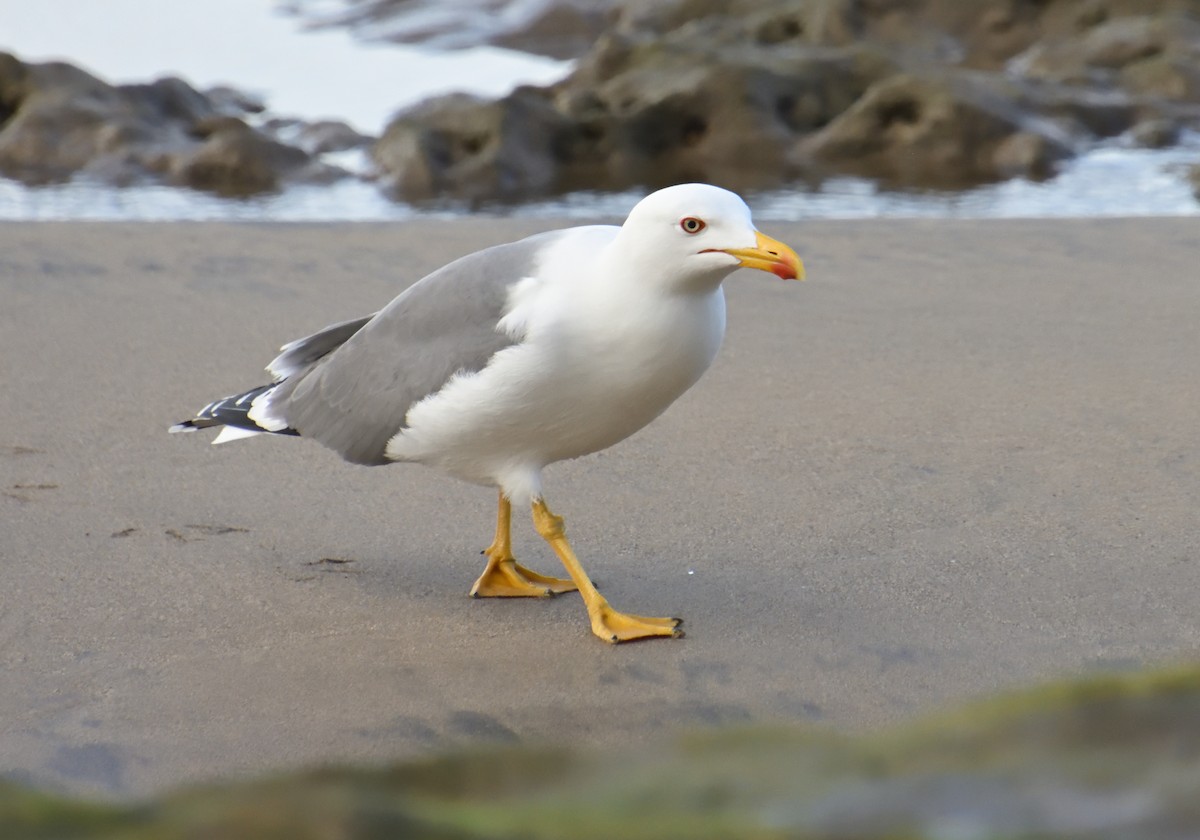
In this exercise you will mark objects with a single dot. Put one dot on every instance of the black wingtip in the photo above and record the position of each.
(231, 411)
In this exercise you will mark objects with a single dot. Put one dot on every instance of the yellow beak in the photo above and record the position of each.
(770, 255)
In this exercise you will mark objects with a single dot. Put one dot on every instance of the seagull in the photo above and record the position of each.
(515, 357)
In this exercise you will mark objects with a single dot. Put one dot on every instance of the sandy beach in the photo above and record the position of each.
(962, 457)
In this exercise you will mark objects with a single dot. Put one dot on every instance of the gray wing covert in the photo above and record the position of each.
(354, 400)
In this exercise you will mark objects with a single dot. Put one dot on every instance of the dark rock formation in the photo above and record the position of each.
(760, 93)
(633, 114)
(323, 136)
(58, 121)
(233, 159)
(466, 148)
(1155, 134)
(1110, 757)
(940, 132)
(1154, 56)
(748, 94)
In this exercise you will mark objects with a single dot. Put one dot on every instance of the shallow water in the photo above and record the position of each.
(324, 73)
(1105, 182)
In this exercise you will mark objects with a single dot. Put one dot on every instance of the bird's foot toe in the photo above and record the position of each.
(506, 578)
(615, 627)
(557, 586)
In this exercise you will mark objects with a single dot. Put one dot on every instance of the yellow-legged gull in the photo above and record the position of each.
(520, 355)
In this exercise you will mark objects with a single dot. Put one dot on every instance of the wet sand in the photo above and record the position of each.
(964, 456)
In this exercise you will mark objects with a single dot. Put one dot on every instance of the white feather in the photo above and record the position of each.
(261, 413)
(229, 433)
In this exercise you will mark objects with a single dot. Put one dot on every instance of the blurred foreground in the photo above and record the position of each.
(1110, 756)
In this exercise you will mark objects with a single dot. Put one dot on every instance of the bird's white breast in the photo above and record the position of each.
(601, 354)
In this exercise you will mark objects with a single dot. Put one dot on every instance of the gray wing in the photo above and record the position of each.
(299, 355)
(355, 398)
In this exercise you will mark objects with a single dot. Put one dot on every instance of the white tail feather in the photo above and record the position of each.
(229, 433)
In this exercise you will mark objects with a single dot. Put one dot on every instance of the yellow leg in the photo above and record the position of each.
(504, 577)
(607, 623)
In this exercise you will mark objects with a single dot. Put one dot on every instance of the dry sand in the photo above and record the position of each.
(962, 457)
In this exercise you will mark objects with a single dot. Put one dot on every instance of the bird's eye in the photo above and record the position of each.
(692, 225)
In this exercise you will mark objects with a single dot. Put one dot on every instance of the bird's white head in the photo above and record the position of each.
(694, 235)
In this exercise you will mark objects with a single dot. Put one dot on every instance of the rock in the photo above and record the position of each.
(1169, 75)
(1155, 134)
(1194, 177)
(633, 114)
(1141, 54)
(55, 119)
(1107, 757)
(234, 160)
(58, 121)
(1025, 154)
(324, 136)
(748, 94)
(983, 34)
(464, 148)
(233, 102)
(655, 114)
(759, 93)
(1082, 114)
(947, 132)
(317, 138)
